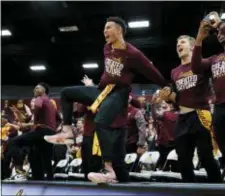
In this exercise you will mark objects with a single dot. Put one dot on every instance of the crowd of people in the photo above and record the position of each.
(106, 121)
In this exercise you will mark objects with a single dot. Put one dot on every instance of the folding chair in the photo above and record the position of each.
(168, 175)
(130, 161)
(147, 163)
(75, 169)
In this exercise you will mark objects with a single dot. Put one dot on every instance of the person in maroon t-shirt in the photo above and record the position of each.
(216, 66)
(45, 117)
(121, 61)
(191, 92)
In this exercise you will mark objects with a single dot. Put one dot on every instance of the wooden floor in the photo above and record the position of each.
(88, 188)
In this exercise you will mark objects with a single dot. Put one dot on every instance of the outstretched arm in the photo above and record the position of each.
(148, 69)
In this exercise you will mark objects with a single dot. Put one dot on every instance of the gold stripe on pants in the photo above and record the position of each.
(96, 150)
(101, 97)
(205, 118)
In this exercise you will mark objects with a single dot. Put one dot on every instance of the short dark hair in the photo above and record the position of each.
(118, 21)
(46, 86)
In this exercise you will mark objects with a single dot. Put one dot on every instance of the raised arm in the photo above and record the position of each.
(200, 65)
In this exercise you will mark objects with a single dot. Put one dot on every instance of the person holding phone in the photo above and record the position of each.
(215, 65)
(191, 92)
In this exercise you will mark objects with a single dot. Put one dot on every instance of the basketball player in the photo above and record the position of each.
(45, 116)
(121, 58)
(191, 92)
(215, 66)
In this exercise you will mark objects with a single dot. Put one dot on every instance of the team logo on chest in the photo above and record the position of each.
(187, 80)
(113, 66)
(218, 69)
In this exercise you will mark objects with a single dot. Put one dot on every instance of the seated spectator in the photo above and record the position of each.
(167, 117)
(8, 131)
(76, 148)
(24, 110)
